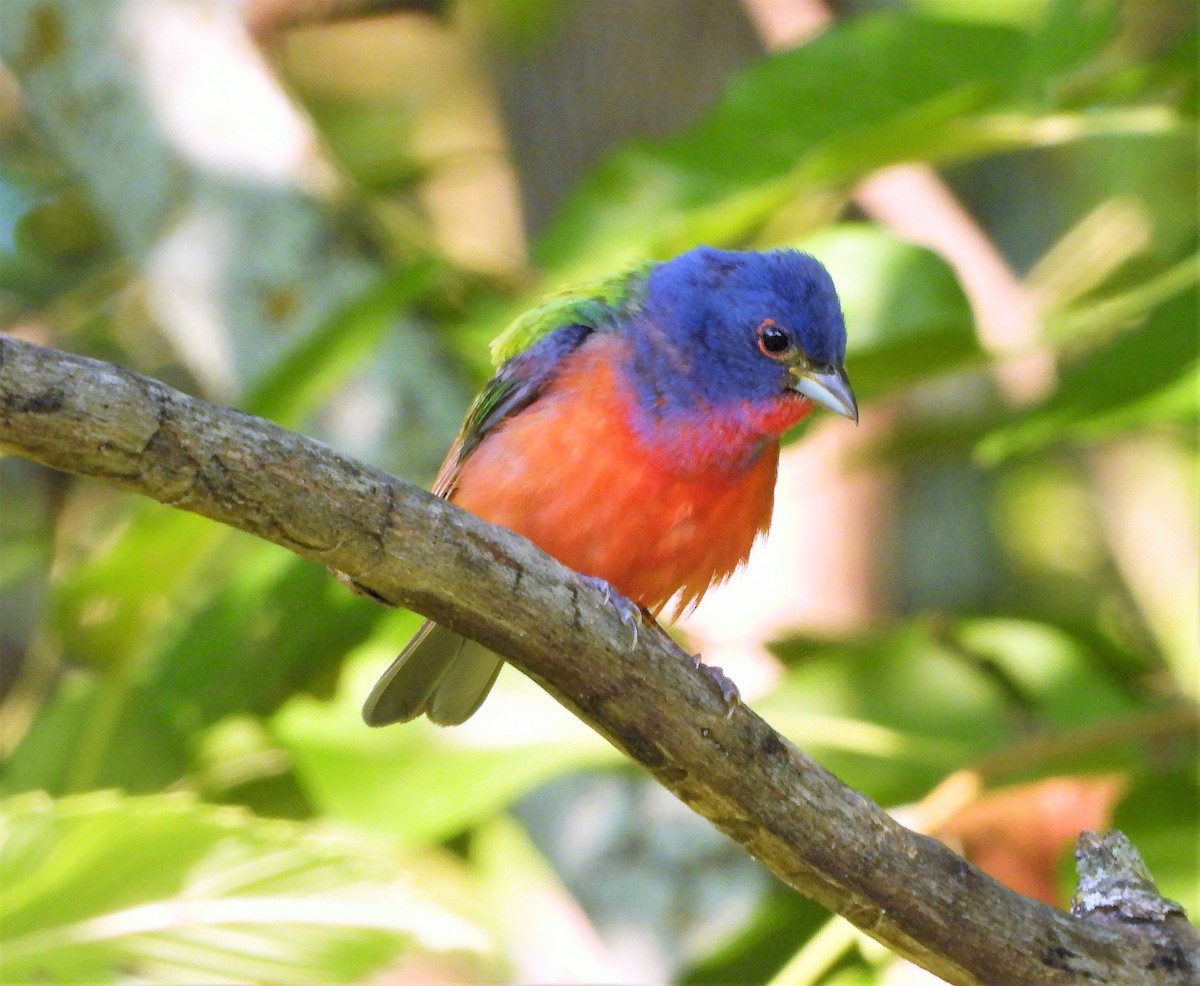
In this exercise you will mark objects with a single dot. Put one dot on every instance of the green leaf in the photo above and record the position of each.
(111, 605)
(373, 139)
(96, 733)
(418, 783)
(890, 714)
(107, 612)
(26, 523)
(868, 92)
(1052, 670)
(242, 651)
(247, 650)
(1070, 33)
(1144, 376)
(780, 926)
(315, 365)
(893, 713)
(103, 887)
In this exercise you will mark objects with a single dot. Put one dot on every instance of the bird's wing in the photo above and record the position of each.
(595, 304)
(530, 352)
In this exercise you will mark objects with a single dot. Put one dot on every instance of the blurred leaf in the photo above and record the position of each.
(109, 611)
(243, 650)
(61, 230)
(1026, 13)
(892, 714)
(97, 733)
(1098, 321)
(1069, 34)
(1054, 671)
(414, 787)
(50, 239)
(108, 608)
(27, 495)
(830, 947)
(868, 92)
(373, 140)
(858, 977)
(780, 926)
(102, 888)
(419, 783)
(111, 604)
(906, 314)
(314, 366)
(521, 24)
(1142, 377)
(280, 626)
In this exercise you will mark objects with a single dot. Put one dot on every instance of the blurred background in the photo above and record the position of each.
(980, 607)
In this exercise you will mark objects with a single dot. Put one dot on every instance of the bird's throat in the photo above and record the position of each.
(729, 440)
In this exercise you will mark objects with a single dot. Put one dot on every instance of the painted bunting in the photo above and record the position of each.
(632, 431)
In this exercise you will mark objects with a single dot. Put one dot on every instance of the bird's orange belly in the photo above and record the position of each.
(570, 474)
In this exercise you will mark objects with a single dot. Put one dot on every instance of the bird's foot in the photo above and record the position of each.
(629, 611)
(725, 687)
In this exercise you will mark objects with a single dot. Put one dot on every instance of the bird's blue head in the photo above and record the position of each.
(722, 329)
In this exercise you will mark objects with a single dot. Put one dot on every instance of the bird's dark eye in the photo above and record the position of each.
(774, 340)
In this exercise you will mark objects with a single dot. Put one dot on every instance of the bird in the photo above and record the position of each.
(632, 430)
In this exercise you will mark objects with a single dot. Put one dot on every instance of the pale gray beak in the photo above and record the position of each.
(828, 386)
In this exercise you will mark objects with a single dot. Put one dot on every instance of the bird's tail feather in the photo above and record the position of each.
(464, 686)
(439, 673)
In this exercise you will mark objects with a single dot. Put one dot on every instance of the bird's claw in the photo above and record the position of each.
(728, 691)
(629, 612)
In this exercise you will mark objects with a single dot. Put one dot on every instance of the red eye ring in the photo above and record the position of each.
(774, 341)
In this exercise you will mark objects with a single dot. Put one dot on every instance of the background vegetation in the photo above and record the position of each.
(979, 609)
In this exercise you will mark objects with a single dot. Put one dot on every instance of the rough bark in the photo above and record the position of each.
(907, 890)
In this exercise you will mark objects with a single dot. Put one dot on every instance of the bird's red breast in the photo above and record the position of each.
(652, 516)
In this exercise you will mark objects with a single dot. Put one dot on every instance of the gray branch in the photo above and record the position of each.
(830, 843)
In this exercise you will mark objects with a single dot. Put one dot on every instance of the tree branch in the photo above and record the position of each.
(907, 890)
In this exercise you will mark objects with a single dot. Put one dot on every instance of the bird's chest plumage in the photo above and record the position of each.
(575, 475)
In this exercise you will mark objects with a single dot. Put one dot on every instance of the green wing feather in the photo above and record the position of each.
(596, 305)
(591, 304)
